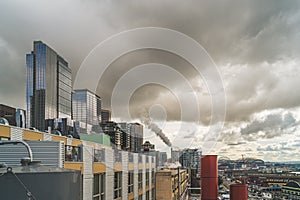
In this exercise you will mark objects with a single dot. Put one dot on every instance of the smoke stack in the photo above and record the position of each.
(238, 192)
(209, 177)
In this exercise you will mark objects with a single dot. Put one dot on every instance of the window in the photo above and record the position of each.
(130, 182)
(72, 154)
(153, 194)
(152, 177)
(147, 178)
(118, 185)
(99, 187)
(140, 179)
(141, 197)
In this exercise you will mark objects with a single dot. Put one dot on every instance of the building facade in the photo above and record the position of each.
(175, 154)
(9, 113)
(136, 137)
(86, 108)
(291, 190)
(49, 85)
(190, 158)
(105, 115)
(20, 118)
(113, 130)
(125, 136)
(106, 173)
(171, 184)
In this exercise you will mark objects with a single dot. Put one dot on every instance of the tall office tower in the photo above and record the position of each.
(125, 135)
(86, 108)
(9, 113)
(49, 86)
(21, 118)
(136, 137)
(105, 116)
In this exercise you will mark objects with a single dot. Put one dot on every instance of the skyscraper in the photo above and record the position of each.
(136, 136)
(49, 86)
(105, 116)
(125, 134)
(86, 108)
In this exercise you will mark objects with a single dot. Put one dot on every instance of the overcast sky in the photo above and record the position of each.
(254, 43)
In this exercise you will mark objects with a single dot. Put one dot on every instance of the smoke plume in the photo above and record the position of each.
(145, 119)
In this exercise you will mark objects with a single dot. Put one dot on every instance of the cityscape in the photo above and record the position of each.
(150, 101)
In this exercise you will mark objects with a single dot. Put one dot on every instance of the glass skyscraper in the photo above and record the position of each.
(49, 86)
(86, 107)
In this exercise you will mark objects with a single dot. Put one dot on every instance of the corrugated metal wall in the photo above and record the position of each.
(16, 133)
(50, 153)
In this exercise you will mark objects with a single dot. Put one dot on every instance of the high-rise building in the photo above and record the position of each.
(86, 108)
(163, 158)
(21, 118)
(125, 136)
(105, 115)
(190, 158)
(9, 113)
(113, 130)
(136, 137)
(49, 86)
(175, 154)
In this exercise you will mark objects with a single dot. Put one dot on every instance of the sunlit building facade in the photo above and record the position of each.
(9, 113)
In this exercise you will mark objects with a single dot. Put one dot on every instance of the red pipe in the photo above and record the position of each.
(238, 192)
(209, 177)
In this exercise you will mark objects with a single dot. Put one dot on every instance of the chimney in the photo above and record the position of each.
(209, 177)
(238, 192)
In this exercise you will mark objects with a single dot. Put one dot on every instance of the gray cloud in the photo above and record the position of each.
(271, 126)
(278, 148)
(254, 42)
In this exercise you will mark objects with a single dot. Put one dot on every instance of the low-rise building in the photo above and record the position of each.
(171, 184)
(106, 173)
(291, 190)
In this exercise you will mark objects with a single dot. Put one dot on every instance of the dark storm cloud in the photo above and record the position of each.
(252, 41)
(271, 126)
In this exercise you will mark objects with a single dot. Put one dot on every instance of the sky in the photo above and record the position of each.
(253, 43)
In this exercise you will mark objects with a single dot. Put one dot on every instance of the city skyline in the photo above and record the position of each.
(253, 44)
